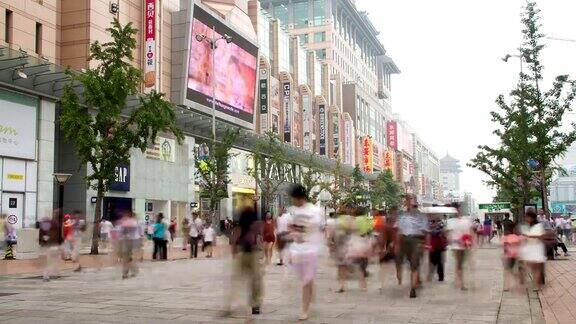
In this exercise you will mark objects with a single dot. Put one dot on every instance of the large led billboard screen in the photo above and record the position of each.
(234, 70)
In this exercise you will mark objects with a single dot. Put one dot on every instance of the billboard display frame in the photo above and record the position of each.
(322, 129)
(187, 96)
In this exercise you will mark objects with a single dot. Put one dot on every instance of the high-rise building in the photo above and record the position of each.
(450, 177)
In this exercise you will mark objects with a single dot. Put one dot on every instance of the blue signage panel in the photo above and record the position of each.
(122, 181)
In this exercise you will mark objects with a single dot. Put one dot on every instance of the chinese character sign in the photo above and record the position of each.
(392, 134)
(367, 155)
(150, 55)
(286, 93)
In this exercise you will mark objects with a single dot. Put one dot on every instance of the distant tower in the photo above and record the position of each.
(450, 174)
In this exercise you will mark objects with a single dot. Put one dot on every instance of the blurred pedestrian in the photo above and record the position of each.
(487, 229)
(105, 228)
(3, 231)
(499, 228)
(269, 237)
(196, 227)
(461, 236)
(246, 252)
(567, 229)
(185, 229)
(438, 244)
(412, 233)
(511, 245)
(68, 234)
(306, 230)
(360, 246)
(282, 233)
(172, 229)
(532, 252)
(159, 238)
(48, 239)
(78, 231)
(130, 239)
(341, 243)
(209, 239)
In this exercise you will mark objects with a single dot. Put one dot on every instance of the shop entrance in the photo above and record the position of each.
(115, 207)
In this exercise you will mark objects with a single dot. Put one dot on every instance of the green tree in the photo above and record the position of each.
(311, 178)
(385, 192)
(356, 193)
(529, 125)
(213, 170)
(269, 164)
(335, 185)
(94, 122)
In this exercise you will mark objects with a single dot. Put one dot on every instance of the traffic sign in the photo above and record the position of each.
(495, 206)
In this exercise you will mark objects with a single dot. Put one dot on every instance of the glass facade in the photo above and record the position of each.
(303, 39)
(284, 51)
(317, 78)
(319, 12)
(301, 16)
(281, 13)
(319, 37)
(264, 34)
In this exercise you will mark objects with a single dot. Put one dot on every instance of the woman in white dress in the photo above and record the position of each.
(532, 252)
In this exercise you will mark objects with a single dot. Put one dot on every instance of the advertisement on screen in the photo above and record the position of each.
(233, 74)
(307, 122)
(263, 90)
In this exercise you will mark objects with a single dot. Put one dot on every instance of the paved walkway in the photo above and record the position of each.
(193, 291)
(558, 298)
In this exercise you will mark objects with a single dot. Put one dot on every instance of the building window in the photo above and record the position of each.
(9, 24)
(319, 12)
(319, 37)
(303, 39)
(38, 44)
(321, 54)
(301, 14)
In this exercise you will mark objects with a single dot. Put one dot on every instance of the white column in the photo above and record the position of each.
(45, 158)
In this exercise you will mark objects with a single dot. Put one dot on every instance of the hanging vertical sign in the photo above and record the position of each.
(150, 66)
(263, 90)
(336, 133)
(322, 128)
(348, 142)
(307, 122)
(389, 160)
(392, 134)
(287, 112)
(367, 155)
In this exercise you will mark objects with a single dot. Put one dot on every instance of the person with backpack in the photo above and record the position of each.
(438, 244)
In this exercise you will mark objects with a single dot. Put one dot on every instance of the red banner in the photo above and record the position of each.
(150, 38)
(392, 134)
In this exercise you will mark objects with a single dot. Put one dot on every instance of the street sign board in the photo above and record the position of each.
(495, 206)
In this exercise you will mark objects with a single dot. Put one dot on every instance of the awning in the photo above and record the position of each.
(244, 190)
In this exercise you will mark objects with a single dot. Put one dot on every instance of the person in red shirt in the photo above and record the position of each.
(438, 244)
(68, 234)
(269, 237)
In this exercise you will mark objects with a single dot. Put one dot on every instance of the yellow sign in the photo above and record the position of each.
(388, 160)
(15, 176)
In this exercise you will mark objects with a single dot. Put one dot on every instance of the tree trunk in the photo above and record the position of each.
(96, 225)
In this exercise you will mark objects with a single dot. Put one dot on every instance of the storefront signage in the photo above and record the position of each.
(150, 66)
(367, 155)
(495, 206)
(274, 107)
(122, 179)
(164, 149)
(322, 130)
(287, 112)
(263, 88)
(392, 134)
(336, 133)
(348, 147)
(17, 128)
(307, 122)
(15, 176)
(389, 160)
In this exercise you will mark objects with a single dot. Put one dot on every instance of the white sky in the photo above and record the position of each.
(449, 52)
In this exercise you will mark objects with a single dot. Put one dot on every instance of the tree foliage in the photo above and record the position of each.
(94, 122)
(335, 185)
(356, 193)
(269, 163)
(385, 191)
(213, 170)
(311, 177)
(529, 124)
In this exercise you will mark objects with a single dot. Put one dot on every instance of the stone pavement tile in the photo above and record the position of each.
(43, 320)
(514, 319)
(96, 311)
(479, 318)
(515, 310)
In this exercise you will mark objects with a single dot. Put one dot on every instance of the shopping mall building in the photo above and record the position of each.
(311, 71)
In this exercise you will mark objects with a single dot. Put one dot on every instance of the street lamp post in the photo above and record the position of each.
(212, 41)
(61, 179)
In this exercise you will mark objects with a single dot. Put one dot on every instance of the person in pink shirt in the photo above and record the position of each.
(511, 245)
